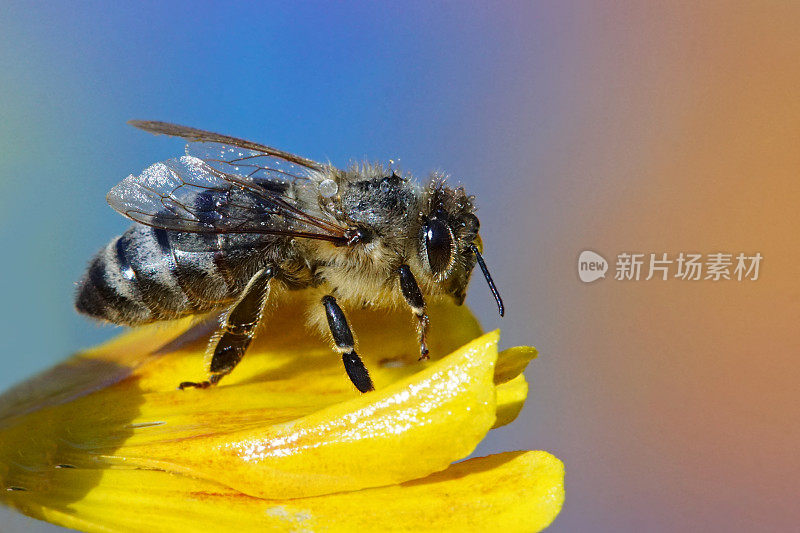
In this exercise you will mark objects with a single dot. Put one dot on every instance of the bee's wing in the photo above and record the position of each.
(191, 195)
(201, 136)
(247, 161)
(250, 166)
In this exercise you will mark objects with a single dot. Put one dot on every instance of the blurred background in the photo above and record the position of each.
(673, 404)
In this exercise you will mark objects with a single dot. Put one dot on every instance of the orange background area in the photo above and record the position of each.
(679, 399)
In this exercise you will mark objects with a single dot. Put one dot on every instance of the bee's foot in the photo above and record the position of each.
(423, 355)
(195, 385)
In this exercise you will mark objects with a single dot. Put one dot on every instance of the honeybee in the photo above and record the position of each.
(222, 226)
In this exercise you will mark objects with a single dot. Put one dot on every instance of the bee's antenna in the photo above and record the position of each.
(489, 280)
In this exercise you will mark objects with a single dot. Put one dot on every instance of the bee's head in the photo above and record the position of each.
(449, 243)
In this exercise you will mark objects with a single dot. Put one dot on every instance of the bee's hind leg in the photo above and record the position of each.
(414, 299)
(343, 338)
(237, 329)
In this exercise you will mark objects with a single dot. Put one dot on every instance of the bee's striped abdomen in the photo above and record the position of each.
(142, 277)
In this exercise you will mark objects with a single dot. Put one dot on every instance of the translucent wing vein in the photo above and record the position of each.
(192, 194)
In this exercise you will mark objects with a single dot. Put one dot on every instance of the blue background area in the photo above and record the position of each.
(426, 87)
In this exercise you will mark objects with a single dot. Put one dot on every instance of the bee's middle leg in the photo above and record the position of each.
(237, 329)
(414, 299)
(343, 339)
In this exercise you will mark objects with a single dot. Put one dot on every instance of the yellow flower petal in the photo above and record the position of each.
(510, 399)
(407, 430)
(512, 361)
(286, 424)
(514, 491)
(512, 389)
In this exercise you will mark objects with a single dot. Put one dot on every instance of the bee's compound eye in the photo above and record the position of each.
(438, 245)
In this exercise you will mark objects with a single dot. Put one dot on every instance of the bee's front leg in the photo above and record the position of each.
(343, 339)
(237, 330)
(414, 299)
